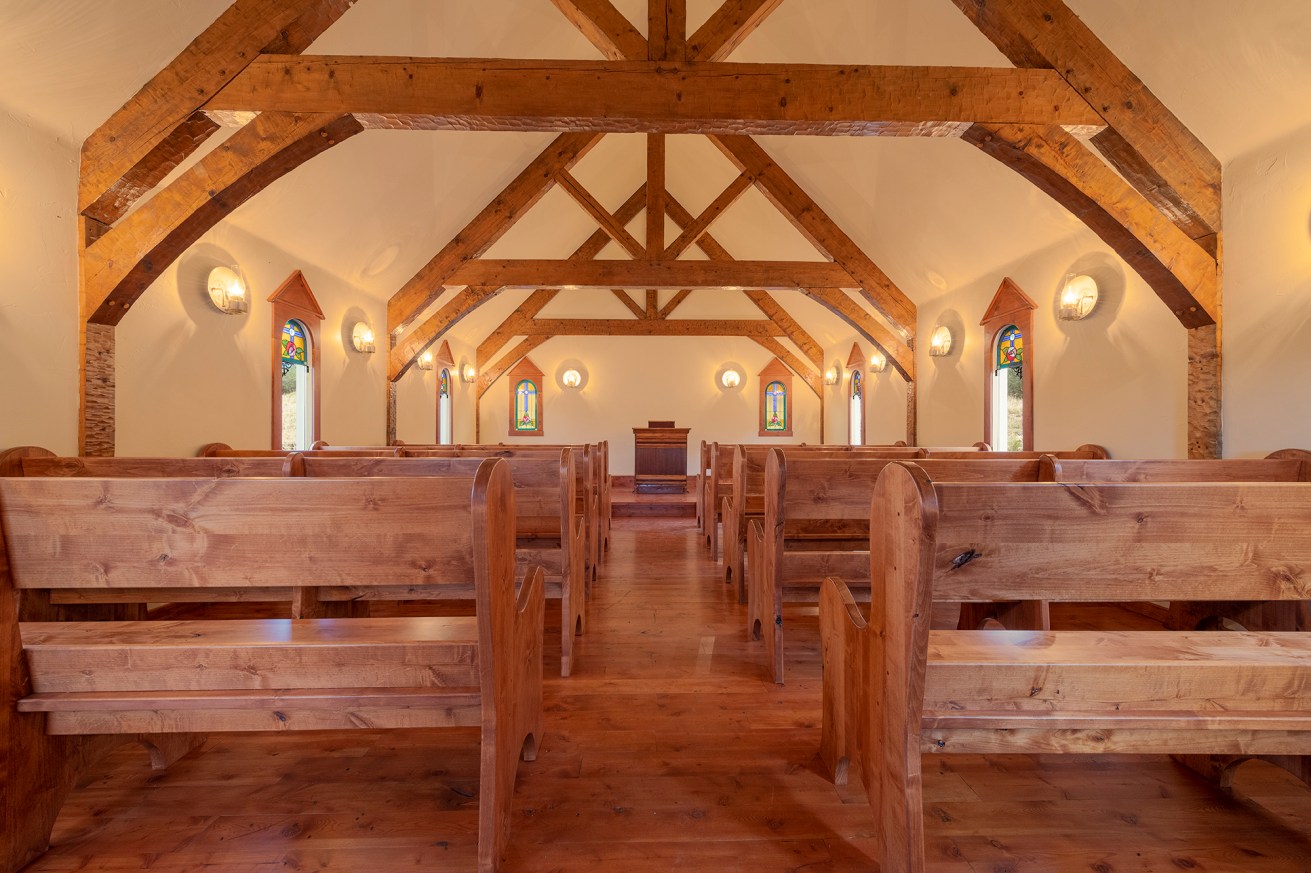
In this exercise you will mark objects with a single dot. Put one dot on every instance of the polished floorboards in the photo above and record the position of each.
(668, 749)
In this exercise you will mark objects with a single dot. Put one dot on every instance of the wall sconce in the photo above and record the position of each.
(730, 378)
(878, 363)
(468, 373)
(362, 338)
(831, 375)
(940, 342)
(1078, 298)
(571, 378)
(227, 291)
(425, 361)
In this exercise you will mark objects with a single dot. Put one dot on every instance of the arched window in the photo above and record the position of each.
(1008, 390)
(444, 429)
(1008, 370)
(775, 399)
(526, 408)
(296, 389)
(856, 396)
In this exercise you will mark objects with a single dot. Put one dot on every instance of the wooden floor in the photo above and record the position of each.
(668, 749)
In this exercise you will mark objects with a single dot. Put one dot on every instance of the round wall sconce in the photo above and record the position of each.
(833, 374)
(1078, 298)
(730, 378)
(571, 378)
(877, 363)
(362, 338)
(468, 373)
(227, 291)
(940, 342)
(425, 361)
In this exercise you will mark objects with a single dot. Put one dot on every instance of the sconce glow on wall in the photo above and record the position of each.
(362, 338)
(730, 378)
(468, 373)
(940, 342)
(425, 361)
(571, 378)
(833, 374)
(227, 291)
(1078, 298)
(877, 363)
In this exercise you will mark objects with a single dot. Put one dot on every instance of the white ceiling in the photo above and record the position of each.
(935, 214)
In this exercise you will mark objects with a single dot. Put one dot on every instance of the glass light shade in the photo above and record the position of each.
(571, 378)
(1078, 298)
(940, 342)
(831, 376)
(227, 291)
(877, 363)
(731, 379)
(425, 361)
(468, 374)
(362, 338)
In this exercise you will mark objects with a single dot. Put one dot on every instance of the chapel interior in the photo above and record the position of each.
(640, 232)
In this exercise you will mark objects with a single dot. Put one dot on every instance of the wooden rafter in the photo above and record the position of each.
(1144, 140)
(672, 303)
(151, 134)
(814, 223)
(479, 234)
(728, 27)
(653, 97)
(808, 374)
(591, 247)
(405, 353)
(532, 273)
(602, 216)
(655, 194)
(549, 327)
(605, 27)
(1179, 270)
(837, 302)
(699, 225)
(122, 263)
(512, 357)
(652, 304)
(666, 31)
(632, 305)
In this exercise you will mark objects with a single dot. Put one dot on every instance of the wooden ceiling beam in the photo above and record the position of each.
(613, 228)
(699, 225)
(728, 27)
(666, 30)
(673, 303)
(1143, 139)
(814, 223)
(1177, 268)
(123, 262)
(512, 326)
(407, 349)
(631, 304)
(486, 228)
(655, 194)
(652, 327)
(151, 134)
(488, 379)
(811, 377)
(836, 301)
(655, 97)
(529, 273)
(652, 304)
(605, 27)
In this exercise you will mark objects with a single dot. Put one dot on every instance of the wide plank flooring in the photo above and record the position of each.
(668, 749)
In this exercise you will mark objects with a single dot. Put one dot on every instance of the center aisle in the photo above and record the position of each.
(669, 747)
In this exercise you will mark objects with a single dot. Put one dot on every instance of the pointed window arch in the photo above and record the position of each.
(856, 397)
(1008, 369)
(526, 407)
(444, 362)
(776, 399)
(296, 389)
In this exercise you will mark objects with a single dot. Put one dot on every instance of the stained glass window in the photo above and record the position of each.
(444, 383)
(1010, 348)
(856, 386)
(856, 421)
(293, 346)
(525, 406)
(776, 407)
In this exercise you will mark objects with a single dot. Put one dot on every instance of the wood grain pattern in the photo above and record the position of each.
(545, 273)
(728, 27)
(605, 27)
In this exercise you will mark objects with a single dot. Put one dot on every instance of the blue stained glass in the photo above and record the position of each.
(776, 407)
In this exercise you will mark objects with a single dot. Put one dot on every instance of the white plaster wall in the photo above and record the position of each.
(1117, 378)
(633, 380)
(38, 288)
(1267, 299)
(885, 398)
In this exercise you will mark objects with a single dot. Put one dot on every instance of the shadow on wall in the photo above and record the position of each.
(1108, 272)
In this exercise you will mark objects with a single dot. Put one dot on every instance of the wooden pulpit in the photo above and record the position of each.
(660, 458)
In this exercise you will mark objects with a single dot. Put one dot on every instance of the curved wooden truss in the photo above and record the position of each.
(1160, 210)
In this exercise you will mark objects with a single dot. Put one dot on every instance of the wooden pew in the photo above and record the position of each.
(67, 686)
(223, 450)
(1086, 452)
(702, 474)
(816, 524)
(894, 689)
(748, 492)
(718, 485)
(548, 532)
